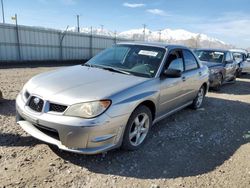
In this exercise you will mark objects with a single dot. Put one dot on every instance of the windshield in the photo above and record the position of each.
(137, 60)
(210, 56)
(238, 57)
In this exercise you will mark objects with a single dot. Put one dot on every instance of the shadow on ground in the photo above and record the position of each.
(241, 84)
(189, 143)
(7, 107)
(14, 140)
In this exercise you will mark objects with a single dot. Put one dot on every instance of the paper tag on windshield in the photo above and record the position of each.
(148, 53)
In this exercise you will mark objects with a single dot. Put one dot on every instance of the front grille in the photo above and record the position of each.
(36, 104)
(57, 107)
(48, 131)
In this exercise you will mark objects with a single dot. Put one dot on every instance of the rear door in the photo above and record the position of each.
(191, 75)
(230, 66)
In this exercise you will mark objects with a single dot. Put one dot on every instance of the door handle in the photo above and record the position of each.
(183, 78)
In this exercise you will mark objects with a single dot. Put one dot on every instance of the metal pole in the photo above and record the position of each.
(159, 35)
(91, 43)
(3, 11)
(18, 41)
(61, 36)
(144, 31)
(102, 28)
(78, 28)
(115, 37)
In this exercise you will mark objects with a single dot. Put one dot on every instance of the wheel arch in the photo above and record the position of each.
(206, 87)
(151, 105)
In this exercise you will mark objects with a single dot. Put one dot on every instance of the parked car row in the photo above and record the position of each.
(224, 65)
(114, 99)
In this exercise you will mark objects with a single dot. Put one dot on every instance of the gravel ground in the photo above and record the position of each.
(209, 147)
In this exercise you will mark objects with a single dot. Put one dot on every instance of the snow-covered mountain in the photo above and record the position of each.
(95, 31)
(178, 36)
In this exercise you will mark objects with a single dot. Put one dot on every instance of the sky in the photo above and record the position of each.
(227, 20)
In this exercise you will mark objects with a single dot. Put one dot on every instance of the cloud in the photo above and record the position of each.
(133, 5)
(232, 26)
(157, 12)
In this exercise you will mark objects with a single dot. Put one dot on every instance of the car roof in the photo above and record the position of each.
(213, 49)
(239, 51)
(154, 44)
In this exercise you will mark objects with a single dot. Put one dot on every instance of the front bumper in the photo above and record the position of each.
(213, 80)
(86, 136)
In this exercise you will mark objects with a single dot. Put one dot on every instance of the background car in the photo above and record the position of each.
(246, 64)
(113, 99)
(222, 66)
(240, 57)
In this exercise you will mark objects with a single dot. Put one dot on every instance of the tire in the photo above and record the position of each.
(239, 73)
(136, 132)
(198, 101)
(233, 80)
(220, 80)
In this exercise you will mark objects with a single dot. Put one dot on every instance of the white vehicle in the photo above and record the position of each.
(243, 59)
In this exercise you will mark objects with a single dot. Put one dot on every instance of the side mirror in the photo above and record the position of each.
(172, 73)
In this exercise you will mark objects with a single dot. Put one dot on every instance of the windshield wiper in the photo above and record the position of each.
(106, 68)
(114, 70)
(87, 65)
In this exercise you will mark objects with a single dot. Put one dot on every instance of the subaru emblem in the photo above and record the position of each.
(36, 100)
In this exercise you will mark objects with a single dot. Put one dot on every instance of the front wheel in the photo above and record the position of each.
(198, 101)
(137, 128)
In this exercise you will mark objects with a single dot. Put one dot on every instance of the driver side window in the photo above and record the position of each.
(175, 61)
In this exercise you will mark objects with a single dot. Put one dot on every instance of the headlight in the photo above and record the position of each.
(88, 109)
(213, 71)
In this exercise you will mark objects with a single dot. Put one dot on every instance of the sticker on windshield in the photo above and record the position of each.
(148, 53)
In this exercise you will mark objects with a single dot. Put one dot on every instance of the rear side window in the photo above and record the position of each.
(190, 61)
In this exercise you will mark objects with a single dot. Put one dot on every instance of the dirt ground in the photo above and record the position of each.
(209, 147)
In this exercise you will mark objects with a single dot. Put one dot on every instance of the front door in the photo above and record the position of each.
(172, 89)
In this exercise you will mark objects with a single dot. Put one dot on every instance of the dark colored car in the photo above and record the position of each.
(222, 66)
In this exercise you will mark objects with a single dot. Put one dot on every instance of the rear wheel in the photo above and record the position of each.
(137, 128)
(233, 80)
(198, 101)
(239, 73)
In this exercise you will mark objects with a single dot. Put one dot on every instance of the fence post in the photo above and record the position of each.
(18, 41)
(61, 37)
(60, 46)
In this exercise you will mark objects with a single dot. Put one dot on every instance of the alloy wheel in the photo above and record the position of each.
(139, 129)
(200, 97)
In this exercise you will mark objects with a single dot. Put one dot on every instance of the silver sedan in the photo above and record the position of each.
(113, 99)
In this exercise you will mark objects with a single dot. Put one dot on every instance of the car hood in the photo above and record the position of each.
(79, 84)
(211, 64)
